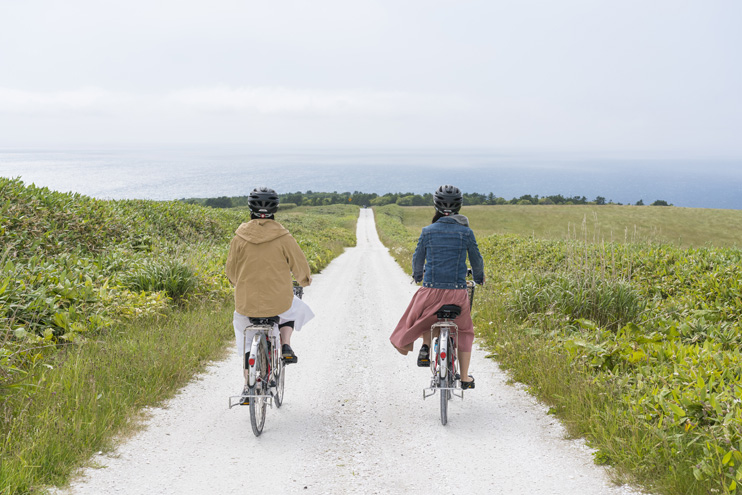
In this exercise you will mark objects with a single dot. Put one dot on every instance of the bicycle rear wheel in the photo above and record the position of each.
(258, 391)
(445, 384)
(444, 403)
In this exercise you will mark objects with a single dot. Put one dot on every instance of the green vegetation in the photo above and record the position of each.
(310, 198)
(635, 345)
(99, 388)
(687, 227)
(108, 306)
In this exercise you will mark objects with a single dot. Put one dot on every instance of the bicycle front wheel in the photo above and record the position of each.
(258, 391)
(280, 376)
(452, 363)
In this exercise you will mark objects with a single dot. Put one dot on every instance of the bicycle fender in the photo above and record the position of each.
(442, 351)
(251, 369)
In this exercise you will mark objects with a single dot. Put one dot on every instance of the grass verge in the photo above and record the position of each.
(109, 306)
(634, 345)
(95, 392)
(685, 227)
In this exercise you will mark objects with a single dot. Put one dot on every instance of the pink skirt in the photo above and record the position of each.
(420, 316)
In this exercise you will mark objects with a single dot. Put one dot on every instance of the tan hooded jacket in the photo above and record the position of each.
(262, 257)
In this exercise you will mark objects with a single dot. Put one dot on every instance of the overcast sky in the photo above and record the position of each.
(572, 75)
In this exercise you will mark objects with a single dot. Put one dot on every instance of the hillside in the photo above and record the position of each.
(685, 227)
(109, 306)
(635, 345)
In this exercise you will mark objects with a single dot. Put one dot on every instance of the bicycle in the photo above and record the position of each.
(264, 369)
(445, 364)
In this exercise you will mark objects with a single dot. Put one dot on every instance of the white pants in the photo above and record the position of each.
(299, 313)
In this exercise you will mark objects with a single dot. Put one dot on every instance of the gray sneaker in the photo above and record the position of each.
(245, 400)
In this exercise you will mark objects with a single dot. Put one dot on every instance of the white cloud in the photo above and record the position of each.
(227, 100)
(313, 102)
(80, 101)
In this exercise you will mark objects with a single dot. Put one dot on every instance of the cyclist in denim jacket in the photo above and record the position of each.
(439, 262)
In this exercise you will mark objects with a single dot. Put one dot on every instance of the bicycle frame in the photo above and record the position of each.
(445, 329)
(444, 360)
(264, 369)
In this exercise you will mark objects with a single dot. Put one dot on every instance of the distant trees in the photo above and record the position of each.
(220, 202)
(411, 200)
(311, 198)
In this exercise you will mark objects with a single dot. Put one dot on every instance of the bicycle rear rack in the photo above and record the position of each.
(238, 399)
(430, 391)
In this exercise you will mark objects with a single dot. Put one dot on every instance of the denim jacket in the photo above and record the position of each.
(442, 250)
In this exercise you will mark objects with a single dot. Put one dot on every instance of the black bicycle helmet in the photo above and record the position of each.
(448, 200)
(263, 201)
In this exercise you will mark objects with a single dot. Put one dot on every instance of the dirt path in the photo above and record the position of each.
(353, 420)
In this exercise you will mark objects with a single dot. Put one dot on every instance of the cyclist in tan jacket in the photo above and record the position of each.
(262, 258)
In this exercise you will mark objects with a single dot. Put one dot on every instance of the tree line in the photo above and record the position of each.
(311, 198)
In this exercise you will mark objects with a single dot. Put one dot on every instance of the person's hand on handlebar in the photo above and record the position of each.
(470, 273)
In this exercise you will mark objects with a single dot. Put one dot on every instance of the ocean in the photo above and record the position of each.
(166, 173)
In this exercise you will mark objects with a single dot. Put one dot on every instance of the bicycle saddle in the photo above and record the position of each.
(267, 320)
(448, 312)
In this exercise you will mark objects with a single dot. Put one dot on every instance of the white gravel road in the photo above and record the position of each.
(354, 420)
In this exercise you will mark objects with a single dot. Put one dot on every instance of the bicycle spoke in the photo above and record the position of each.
(258, 392)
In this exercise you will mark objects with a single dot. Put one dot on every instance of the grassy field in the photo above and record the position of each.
(109, 306)
(635, 346)
(685, 227)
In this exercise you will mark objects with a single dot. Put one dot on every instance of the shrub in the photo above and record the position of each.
(610, 303)
(173, 277)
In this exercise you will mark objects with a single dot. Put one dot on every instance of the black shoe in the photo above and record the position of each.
(288, 354)
(423, 359)
(468, 385)
(245, 400)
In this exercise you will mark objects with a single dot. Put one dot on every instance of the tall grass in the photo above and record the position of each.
(175, 278)
(106, 306)
(609, 303)
(393, 233)
(684, 227)
(635, 345)
(94, 392)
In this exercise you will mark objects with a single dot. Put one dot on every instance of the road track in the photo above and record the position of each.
(353, 420)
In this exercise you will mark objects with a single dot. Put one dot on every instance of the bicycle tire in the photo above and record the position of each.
(444, 384)
(257, 392)
(444, 401)
(280, 377)
(453, 355)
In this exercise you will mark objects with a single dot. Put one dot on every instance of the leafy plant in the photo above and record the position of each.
(73, 268)
(636, 346)
(173, 277)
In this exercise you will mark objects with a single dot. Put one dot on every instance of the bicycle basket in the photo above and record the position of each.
(298, 290)
(470, 289)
